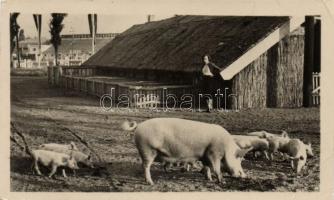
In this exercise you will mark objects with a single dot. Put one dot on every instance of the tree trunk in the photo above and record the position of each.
(11, 60)
(18, 50)
(11, 53)
(56, 55)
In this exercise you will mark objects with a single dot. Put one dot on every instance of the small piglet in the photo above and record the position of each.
(257, 144)
(297, 152)
(265, 134)
(276, 142)
(185, 165)
(53, 160)
(59, 147)
(69, 149)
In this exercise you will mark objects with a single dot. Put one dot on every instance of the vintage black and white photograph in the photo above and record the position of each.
(164, 102)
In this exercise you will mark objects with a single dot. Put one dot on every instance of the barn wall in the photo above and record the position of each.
(250, 86)
(289, 78)
(149, 75)
(275, 79)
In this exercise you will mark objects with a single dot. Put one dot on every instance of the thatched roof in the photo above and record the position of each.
(179, 43)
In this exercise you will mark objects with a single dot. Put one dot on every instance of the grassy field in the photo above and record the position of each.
(28, 72)
(47, 114)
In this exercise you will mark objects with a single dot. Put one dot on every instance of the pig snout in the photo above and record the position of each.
(310, 154)
(242, 174)
(90, 165)
(301, 164)
(73, 165)
(239, 174)
(299, 167)
(236, 170)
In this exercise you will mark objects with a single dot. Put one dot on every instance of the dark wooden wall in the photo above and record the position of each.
(150, 75)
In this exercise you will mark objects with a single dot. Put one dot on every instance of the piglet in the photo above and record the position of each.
(297, 152)
(69, 149)
(53, 160)
(257, 144)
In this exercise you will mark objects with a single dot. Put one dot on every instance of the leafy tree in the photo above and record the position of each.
(14, 31)
(56, 27)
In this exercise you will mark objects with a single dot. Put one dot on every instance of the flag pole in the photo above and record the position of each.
(39, 40)
(38, 23)
(93, 34)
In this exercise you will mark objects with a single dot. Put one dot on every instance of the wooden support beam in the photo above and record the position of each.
(308, 60)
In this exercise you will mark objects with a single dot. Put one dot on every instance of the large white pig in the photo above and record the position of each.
(180, 140)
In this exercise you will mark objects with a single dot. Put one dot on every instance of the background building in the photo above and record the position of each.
(76, 48)
(73, 51)
(29, 53)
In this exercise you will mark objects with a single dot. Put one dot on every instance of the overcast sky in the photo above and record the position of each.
(79, 23)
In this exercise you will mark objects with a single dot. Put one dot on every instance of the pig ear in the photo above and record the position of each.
(264, 134)
(240, 153)
(284, 134)
(64, 160)
(71, 155)
(72, 146)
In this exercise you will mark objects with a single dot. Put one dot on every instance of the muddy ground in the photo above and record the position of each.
(46, 114)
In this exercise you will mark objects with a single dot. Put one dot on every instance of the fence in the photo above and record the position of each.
(54, 75)
(141, 95)
(56, 72)
(316, 89)
(148, 101)
(29, 64)
(77, 71)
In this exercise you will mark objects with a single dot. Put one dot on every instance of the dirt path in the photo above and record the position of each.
(41, 112)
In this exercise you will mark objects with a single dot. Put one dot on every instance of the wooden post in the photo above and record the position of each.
(86, 86)
(93, 87)
(56, 73)
(317, 45)
(103, 88)
(308, 60)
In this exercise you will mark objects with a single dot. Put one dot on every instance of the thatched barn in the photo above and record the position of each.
(259, 59)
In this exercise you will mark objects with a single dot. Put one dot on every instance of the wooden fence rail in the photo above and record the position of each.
(316, 89)
(139, 96)
(56, 72)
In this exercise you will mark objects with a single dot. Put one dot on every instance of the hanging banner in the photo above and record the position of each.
(90, 24)
(38, 23)
(92, 20)
(95, 23)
